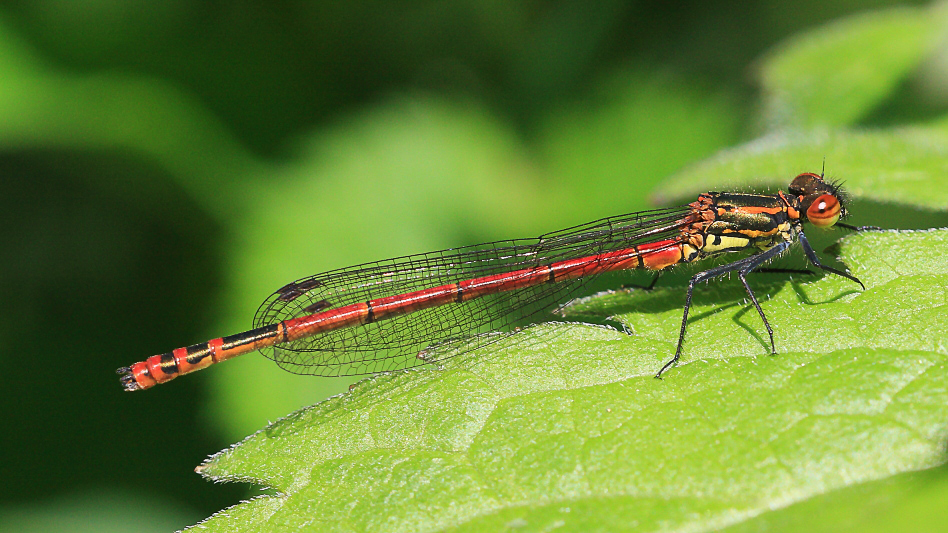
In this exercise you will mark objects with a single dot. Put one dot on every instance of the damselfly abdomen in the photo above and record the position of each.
(423, 308)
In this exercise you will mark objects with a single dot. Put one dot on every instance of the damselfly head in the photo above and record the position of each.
(808, 183)
(821, 201)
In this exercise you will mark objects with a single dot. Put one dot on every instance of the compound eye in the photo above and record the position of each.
(824, 211)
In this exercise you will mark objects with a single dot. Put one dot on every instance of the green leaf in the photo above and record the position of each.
(906, 502)
(907, 165)
(835, 75)
(562, 425)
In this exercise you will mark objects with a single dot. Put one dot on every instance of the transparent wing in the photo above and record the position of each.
(433, 334)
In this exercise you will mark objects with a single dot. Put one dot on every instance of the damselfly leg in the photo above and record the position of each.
(744, 267)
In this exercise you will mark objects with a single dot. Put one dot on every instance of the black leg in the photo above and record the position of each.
(742, 266)
(650, 286)
(811, 255)
(658, 274)
(759, 260)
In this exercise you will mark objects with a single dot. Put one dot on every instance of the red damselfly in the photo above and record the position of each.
(420, 309)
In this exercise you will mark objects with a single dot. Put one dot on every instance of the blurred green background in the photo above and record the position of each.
(167, 165)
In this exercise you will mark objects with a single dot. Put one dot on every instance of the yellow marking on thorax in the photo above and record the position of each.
(719, 243)
(688, 253)
(781, 234)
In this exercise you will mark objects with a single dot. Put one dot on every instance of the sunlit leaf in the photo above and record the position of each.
(564, 425)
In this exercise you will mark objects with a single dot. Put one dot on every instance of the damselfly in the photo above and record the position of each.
(421, 309)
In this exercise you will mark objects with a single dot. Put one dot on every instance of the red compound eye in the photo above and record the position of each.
(824, 211)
